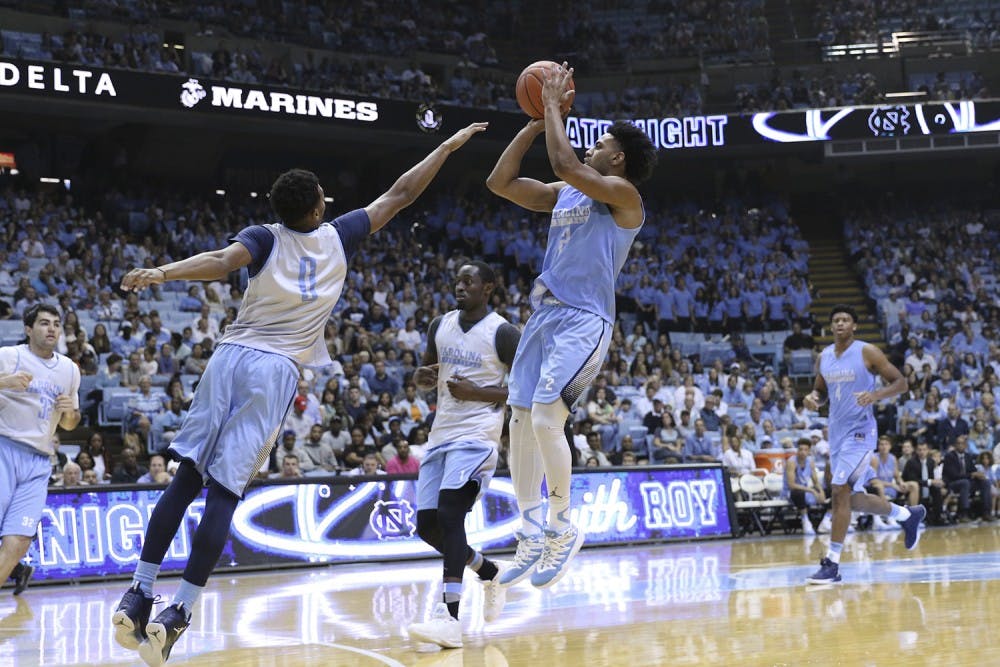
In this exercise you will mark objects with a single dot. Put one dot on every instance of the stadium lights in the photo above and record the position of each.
(45, 179)
(328, 200)
(909, 93)
(253, 195)
(221, 193)
(15, 171)
(179, 47)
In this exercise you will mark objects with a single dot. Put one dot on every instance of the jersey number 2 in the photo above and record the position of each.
(307, 279)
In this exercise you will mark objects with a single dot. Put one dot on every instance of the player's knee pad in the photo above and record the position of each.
(547, 417)
(454, 504)
(428, 528)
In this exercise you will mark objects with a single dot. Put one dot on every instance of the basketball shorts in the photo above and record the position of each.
(451, 466)
(560, 354)
(237, 410)
(24, 483)
(850, 461)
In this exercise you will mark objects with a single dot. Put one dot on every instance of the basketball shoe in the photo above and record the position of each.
(441, 628)
(529, 550)
(911, 527)
(162, 633)
(21, 576)
(828, 573)
(131, 617)
(558, 552)
(494, 594)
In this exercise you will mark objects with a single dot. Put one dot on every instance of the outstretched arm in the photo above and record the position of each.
(526, 192)
(410, 185)
(211, 265)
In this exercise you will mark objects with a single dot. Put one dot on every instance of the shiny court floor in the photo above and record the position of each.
(735, 602)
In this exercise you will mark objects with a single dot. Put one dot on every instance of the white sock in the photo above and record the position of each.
(526, 471)
(549, 422)
(898, 513)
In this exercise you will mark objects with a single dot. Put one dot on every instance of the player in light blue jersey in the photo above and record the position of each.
(596, 214)
(845, 375)
(297, 270)
(39, 391)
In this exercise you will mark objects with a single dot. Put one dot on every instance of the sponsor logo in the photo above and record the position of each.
(192, 92)
(429, 119)
(58, 79)
(252, 99)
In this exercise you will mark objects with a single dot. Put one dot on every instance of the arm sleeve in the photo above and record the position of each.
(259, 240)
(353, 228)
(431, 353)
(507, 338)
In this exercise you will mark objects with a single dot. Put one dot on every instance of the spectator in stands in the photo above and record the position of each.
(72, 475)
(318, 455)
(288, 447)
(99, 340)
(601, 414)
(369, 466)
(735, 458)
(142, 409)
(128, 471)
(402, 462)
(312, 410)
(951, 427)
(94, 449)
(289, 467)
(413, 409)
(667, 441)
(166, 364)
(591, 447)
(803, 483)
(196, 362)
(165, 424)
(336, 438)
(157, 465)
(962, 477)
(133, 371)
(125, 343)
(698, 446)
(980, 438)
(709, 416)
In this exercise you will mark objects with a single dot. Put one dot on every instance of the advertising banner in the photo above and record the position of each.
(86, 534)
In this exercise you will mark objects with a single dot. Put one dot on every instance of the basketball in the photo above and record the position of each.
(529, 89)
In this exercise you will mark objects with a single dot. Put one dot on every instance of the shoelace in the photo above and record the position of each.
(555, 548)
(527, 550)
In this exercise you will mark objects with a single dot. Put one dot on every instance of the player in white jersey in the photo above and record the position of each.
(39, 391)
(596, 214)
(297, 270)
(469, 352)
(845, 375)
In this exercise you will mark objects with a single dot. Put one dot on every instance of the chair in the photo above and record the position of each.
(758, 511)
(801, 364)
(784, 515)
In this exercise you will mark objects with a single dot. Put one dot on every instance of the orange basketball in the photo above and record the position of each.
(529, 89)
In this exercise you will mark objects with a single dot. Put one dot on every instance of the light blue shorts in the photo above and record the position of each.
(560, 354)
(238, 408)
(851, 463)
(24, 483)
(451, 466)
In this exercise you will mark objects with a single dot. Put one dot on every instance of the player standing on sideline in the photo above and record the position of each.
(39, 390)
(596, 214)
(845, 375)
(297, 271)
(469, 351)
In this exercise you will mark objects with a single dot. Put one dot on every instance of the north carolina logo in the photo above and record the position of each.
(428, 118)
(889, 121)
(392, 519)
(192, 92)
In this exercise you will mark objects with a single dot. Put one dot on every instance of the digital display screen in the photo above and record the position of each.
(326, 520)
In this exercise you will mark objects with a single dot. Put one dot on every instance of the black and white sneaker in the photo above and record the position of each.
(131, 617)
(21, 576)
(162, 633)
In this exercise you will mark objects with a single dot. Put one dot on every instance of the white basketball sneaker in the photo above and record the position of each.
(807, 526)
(529, 550)
(494, 594)
(826, 525)
(441, 629)
(559, 551)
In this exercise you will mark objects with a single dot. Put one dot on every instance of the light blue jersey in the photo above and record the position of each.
(585, 253)
(846, 376)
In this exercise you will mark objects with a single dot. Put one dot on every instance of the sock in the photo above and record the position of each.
(145, 576)
(452, 596)
(547, 420)
(899, 513)
(526, 471)
(485, 568)
(187, 595)
(834, 552)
